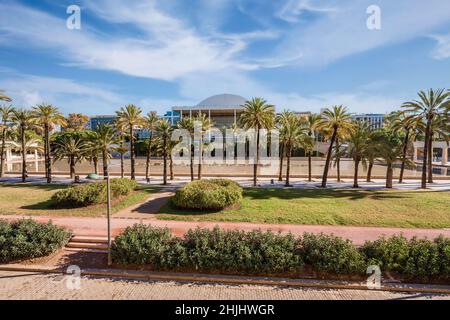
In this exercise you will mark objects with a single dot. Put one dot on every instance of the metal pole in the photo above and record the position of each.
(108, 191)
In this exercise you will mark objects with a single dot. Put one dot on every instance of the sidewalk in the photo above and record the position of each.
(98, 227)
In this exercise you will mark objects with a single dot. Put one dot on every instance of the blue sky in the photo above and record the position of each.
(298, 54)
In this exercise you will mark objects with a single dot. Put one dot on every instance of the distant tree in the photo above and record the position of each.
(163, 131)
(6, 113)
(357, 148)
(188, 125)
(149, 123)
(76, 122)
(73, 146)
(103, 139)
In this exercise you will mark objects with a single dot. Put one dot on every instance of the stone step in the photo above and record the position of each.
(87, 245)
(86, 250)
(89, 239)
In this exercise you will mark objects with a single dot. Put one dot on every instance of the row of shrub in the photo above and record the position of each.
(258, 252)
(213, 194)
(27, 239)
(92, 193)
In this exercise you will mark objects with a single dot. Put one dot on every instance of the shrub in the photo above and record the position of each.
(423, 259)
(239, 251)
(146, 245)
(215, 194)
(390, 254)
(27, 239)
(93, 193)
(327, 253)
(443, 247)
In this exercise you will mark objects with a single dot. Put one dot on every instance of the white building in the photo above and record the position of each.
(374, 120)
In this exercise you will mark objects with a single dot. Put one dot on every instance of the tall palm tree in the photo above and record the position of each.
(103, 139)
(4, 97)
(25, 120)
(407, 125)
(280, 122)
(6, 113)
(429, 106)
(188, 125)
(171, 148)
(205, 124)
(149, 123)
(312, 122)
(294, 133)
(335, 119)
(93, 153)
(130, 117)
(390, 148)
(257, 115)
(76, 122)
(72, 146)
(163, 131)
(122, 132)
(47, 117)
(358, 144)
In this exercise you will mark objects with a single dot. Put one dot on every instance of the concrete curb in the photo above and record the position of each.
(236, 280)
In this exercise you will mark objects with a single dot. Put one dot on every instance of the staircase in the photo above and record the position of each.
(88, 244)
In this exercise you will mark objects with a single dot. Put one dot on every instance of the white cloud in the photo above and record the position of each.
(442, 49)
(292, 10)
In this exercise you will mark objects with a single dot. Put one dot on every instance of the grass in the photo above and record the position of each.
(406, 209)
(27, 199)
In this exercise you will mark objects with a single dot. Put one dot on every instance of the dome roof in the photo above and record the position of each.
(223, 100)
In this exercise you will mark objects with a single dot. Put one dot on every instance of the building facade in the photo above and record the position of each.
(95, 122)
(374, 120)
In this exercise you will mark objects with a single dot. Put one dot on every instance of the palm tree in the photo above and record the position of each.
(171, 147)
(25, 120)
(4, 97)
(205, 124)
(334, 120)
(73, 146)
(280, 122)
(102, 141)
(429, 105)
(163, 131)
(48, 116)
(406, 124)
(358, 144)
(312, 122)
(149, 123)
(121, 130)
(76, 122)
(188, 125)
(294, 133)
(390, 148)
(6, 113)
(130, 117)
(257, 115)
(93, 153)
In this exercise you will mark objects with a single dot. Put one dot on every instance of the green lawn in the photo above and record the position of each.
(409, 209)
(27, 199)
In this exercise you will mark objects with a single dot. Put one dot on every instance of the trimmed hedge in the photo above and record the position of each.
(258, 252)
(93, 193)
(27, 239)
(214, 194)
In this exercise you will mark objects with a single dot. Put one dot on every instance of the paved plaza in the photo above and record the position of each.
(25, 285)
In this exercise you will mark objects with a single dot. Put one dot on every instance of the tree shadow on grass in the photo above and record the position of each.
(45, 187)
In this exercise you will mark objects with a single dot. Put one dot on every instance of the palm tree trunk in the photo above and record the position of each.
(72, 167)
(122, 169)
(133, 175)
(191, 164)
(171, 167)
(48, 164)
(24, 154)
(338, 166)
(425, 155)
(255, 165)
(105, 164)
(95, 160)
(280, 173)
(2, 151)
(389, 175)
(147, 163)
(430, 159)
(288, 165)
(369, 172)
(45, 152)
(200, 158)
(405, 149)
(309, 167)
(327, 162)
(164, 162)
(355, 176)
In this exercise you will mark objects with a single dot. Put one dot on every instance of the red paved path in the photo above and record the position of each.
(97, 227)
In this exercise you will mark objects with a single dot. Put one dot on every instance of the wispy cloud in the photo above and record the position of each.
(293, 10)
(442, 49)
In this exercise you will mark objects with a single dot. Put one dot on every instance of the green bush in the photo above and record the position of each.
(423, 259)
(93, 193)
(327, 253)
(390, 254)
(207, 250)
(443, 246)
(239, 251)
(27, 239)
(215, 194)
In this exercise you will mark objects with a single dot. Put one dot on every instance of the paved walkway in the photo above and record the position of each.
(97, 227)
(25, 285)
